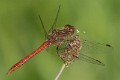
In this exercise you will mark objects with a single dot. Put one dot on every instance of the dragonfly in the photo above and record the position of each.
(71, 50)
(59, 37)
(55, 37)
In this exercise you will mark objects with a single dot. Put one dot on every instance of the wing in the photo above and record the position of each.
(90, 60)
(91, 47)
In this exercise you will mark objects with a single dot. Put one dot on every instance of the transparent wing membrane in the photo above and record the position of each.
(90, 60)
(91, 47)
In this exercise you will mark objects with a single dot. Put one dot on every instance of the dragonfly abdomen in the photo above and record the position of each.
(22, 61)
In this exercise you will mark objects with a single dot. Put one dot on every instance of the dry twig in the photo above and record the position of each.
(60, 72)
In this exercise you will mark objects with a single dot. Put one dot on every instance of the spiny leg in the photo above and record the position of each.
(45, 32)
(55, 21)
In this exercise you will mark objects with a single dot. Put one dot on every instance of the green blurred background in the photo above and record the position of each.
(21, 33)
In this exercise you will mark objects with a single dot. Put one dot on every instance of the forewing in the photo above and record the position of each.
(91, 47)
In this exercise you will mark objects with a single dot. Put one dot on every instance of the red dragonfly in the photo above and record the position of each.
(55, 37)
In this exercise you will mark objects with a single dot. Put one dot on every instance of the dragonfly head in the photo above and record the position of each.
(69, 29)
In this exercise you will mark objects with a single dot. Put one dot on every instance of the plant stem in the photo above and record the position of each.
(60, 72)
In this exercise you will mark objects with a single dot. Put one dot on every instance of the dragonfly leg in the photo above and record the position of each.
(58, 49)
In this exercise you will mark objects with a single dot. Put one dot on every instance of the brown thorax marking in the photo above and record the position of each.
(57, 36)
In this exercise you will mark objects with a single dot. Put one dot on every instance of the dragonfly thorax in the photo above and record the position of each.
(57, 36)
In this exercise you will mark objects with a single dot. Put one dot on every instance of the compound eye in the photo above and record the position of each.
(69, 28)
